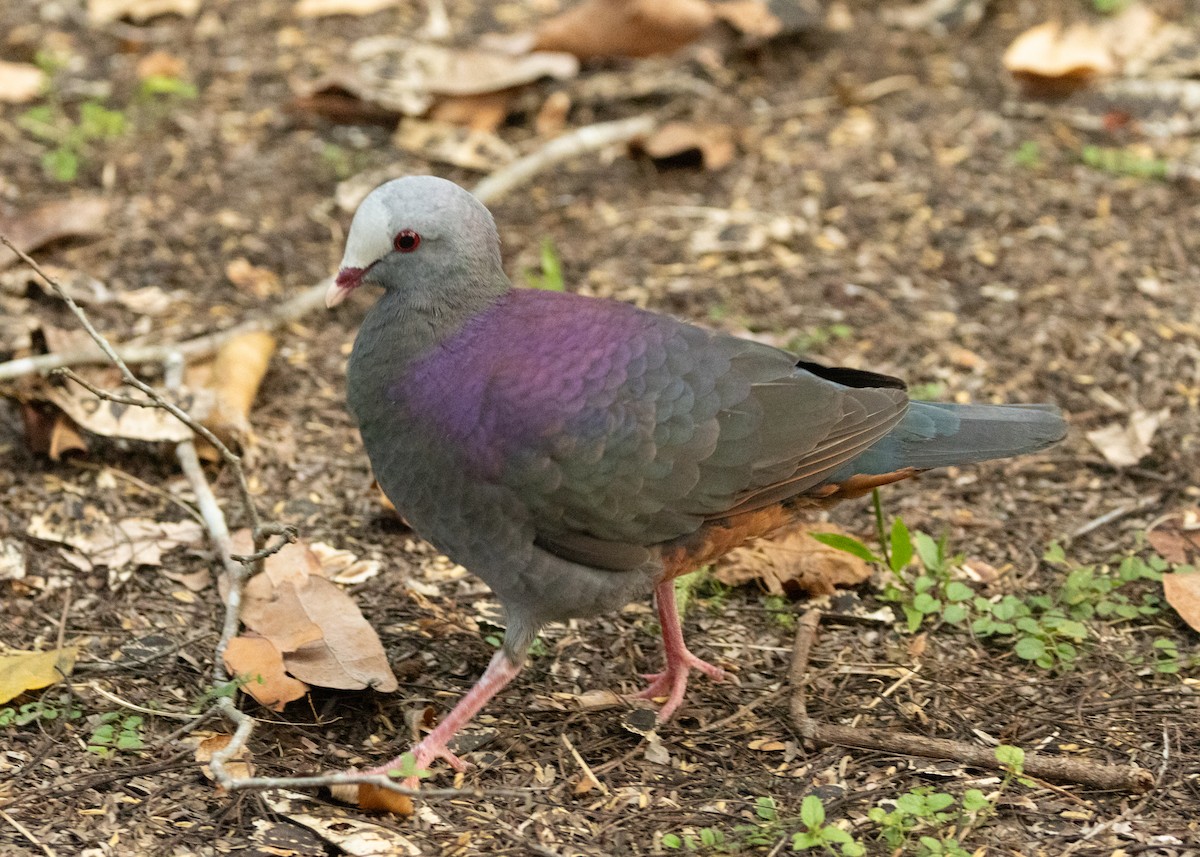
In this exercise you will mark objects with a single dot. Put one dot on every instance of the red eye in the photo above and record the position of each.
(406, 241)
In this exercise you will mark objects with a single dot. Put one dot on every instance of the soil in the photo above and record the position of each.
(899, 233)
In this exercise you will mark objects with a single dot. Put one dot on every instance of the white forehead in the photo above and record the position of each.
(431, 206)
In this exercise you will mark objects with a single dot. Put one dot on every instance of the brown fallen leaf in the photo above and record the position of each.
(95, 539)
(1049, 58)
(22, 671)
(259, 281)
(325, 8)
(237, 372)
(102, 12)
(794, 564)
(208, 743)
(1124, 445)
(74, 217)
(453, 144)
(259, 665)
(409, 76)
(324, 639)
(483, 112)
(1176, 537)
(1182, 591)
(710, 145)
(551, 118)
(50, 432)
(350, 833)
(160, 64)
(595, 29)
(20, 82)
(128, 422)
(752, 18)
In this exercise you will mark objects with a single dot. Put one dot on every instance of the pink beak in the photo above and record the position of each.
(347, 280)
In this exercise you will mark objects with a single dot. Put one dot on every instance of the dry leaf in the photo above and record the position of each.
(711, 145)
(20, 82)
(408, 76)
(12, 560)
(102, 12)
(624, 28)
(1126, 445)
(160, 64)
(237, 372)
(129, 422)
(752, 18)
(452, 144)
(1176, 537)
(483, 113)
(794, 564)
(259, 281)
(324, 638)
(81, 216)
(1182, 591)
(22, 671)
(1049, 57)
(259, 664)
(207, 743)
(343, 566)
(322, 8)
(551, 117)
(349, 833)
(150, 300)
(97, 540)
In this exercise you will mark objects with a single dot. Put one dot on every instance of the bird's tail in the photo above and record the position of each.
(933, 434)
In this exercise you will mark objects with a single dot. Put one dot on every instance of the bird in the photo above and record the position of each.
(578, 453)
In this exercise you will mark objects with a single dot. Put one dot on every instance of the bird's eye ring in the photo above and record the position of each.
(406, 241)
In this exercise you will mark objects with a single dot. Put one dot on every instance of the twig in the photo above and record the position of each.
(1114, 515)
(21, 829)
(141, 709)
(1092, 774)
(287, 536)
(589, 138)
(137, 383)
(583, 766)
(191, 349)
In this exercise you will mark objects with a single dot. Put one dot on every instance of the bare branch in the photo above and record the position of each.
(1091, 774)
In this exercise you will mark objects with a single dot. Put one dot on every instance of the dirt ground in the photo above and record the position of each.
(914, 242)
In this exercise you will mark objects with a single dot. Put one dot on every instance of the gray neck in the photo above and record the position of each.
(403, 325)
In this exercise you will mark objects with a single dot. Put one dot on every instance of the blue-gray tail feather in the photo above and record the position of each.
(935, 434)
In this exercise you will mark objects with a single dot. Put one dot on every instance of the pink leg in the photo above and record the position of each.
(498, 674)
(672, 682)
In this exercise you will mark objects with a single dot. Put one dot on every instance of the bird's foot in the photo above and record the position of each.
(672, 682)
(413, 764)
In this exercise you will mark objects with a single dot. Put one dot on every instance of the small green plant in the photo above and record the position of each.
(922, 820)
(780, 611)
(931, 390)
(1028, 155)
(826, 837)
(550, 279)
(818, 337)
(705, 838)
(164, 85)
(1110, 7)
(114, 733)
(408, 768)
(43, 710)
(1123, 162)
(70, 140)
(1013, 760)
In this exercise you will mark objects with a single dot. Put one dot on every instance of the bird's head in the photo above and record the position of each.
(418, 232)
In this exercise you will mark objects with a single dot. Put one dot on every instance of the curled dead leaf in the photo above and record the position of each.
(595, 29)
(794, 564)
(95, 539)
(74, 217)
(208, 743)
(1124, 445)
(237, 372)
(259, 665)
(20, 82)
(102, 12)
(680, 142)
(1049, 57)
